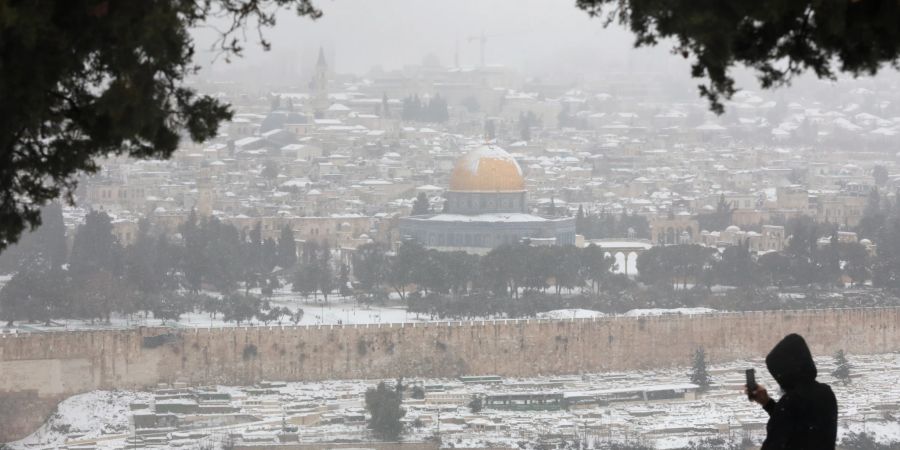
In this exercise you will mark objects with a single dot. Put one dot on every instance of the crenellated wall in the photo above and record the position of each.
(36, 370)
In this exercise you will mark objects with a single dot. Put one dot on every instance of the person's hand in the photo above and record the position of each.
(760, 395)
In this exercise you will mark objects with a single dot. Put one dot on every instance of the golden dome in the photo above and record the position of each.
(487, 169)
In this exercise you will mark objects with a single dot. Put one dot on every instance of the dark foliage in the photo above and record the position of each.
(841, 367)
(82, 79)
(383, 404)
(775, 38)
(699, 373)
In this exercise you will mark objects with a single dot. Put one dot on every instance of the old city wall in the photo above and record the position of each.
(36, 370)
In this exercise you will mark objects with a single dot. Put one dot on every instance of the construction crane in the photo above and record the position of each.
(482, 39)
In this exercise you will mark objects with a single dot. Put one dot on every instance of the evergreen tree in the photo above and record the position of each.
(237, 307)
(873, 217)
(565, 268)
(406, 267)
(324, 274)
(420, 205)
(418, 392)
(461, 269)
(304, 281)
(93, 99)
(269, 255)
(194, 260)
(96, 294)
(34, 296)
(719, 219)
(736, 267)
(476, 404)
(841, 367)
(344, 287)
(580, 222)
(370, 266)
(142, 267)
(223, 256)
(41, 249)
(596, 266)
(855, 260)
(385, 411)
(777, 266)
(309, 252)
(699, 374)
(95, 247)
(253, 249)
(501, 270)
(287, 248)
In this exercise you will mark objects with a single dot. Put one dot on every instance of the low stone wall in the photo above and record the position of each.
(57, 364)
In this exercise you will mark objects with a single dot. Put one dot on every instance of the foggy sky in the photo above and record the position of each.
(537, 37)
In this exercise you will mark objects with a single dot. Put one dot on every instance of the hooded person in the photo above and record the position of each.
(805, 417)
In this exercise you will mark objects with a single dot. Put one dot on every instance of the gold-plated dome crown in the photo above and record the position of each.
(487, 169)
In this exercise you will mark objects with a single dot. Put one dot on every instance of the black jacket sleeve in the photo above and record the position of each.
(778, 430)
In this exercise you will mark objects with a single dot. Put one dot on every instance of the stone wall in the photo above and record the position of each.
(54, 365)
(343, 446)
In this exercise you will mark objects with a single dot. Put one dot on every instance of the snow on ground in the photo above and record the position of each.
(868, 404)
(89, 416)
(662, 312)
(573, 313)
(336, 311)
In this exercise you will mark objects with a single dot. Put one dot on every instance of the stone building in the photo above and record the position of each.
(486, 206)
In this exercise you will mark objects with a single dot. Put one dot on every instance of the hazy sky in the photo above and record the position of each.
(540, 37)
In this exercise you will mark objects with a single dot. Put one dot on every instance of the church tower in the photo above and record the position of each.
(319, 85)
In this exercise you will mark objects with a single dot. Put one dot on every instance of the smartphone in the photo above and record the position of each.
(751, 382)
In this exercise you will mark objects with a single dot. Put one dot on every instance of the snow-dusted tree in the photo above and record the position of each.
(383, 404)
(476, 404)
(841, 367)
(699, 374)
(420, 205)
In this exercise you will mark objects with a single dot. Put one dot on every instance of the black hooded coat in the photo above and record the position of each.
(805, 417)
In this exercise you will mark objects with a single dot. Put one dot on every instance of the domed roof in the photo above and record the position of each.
(487, 169)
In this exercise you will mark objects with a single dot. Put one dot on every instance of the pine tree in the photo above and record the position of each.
(287, 248)
(699, 374)
(580, 222)
(369, 266)
(841, 367)
(194, 262)
(324, 276)
(304, 281)
(344, 281)
(476, 404)
(269, 255)
(384, 406)
(420, 205)
(94, 247)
